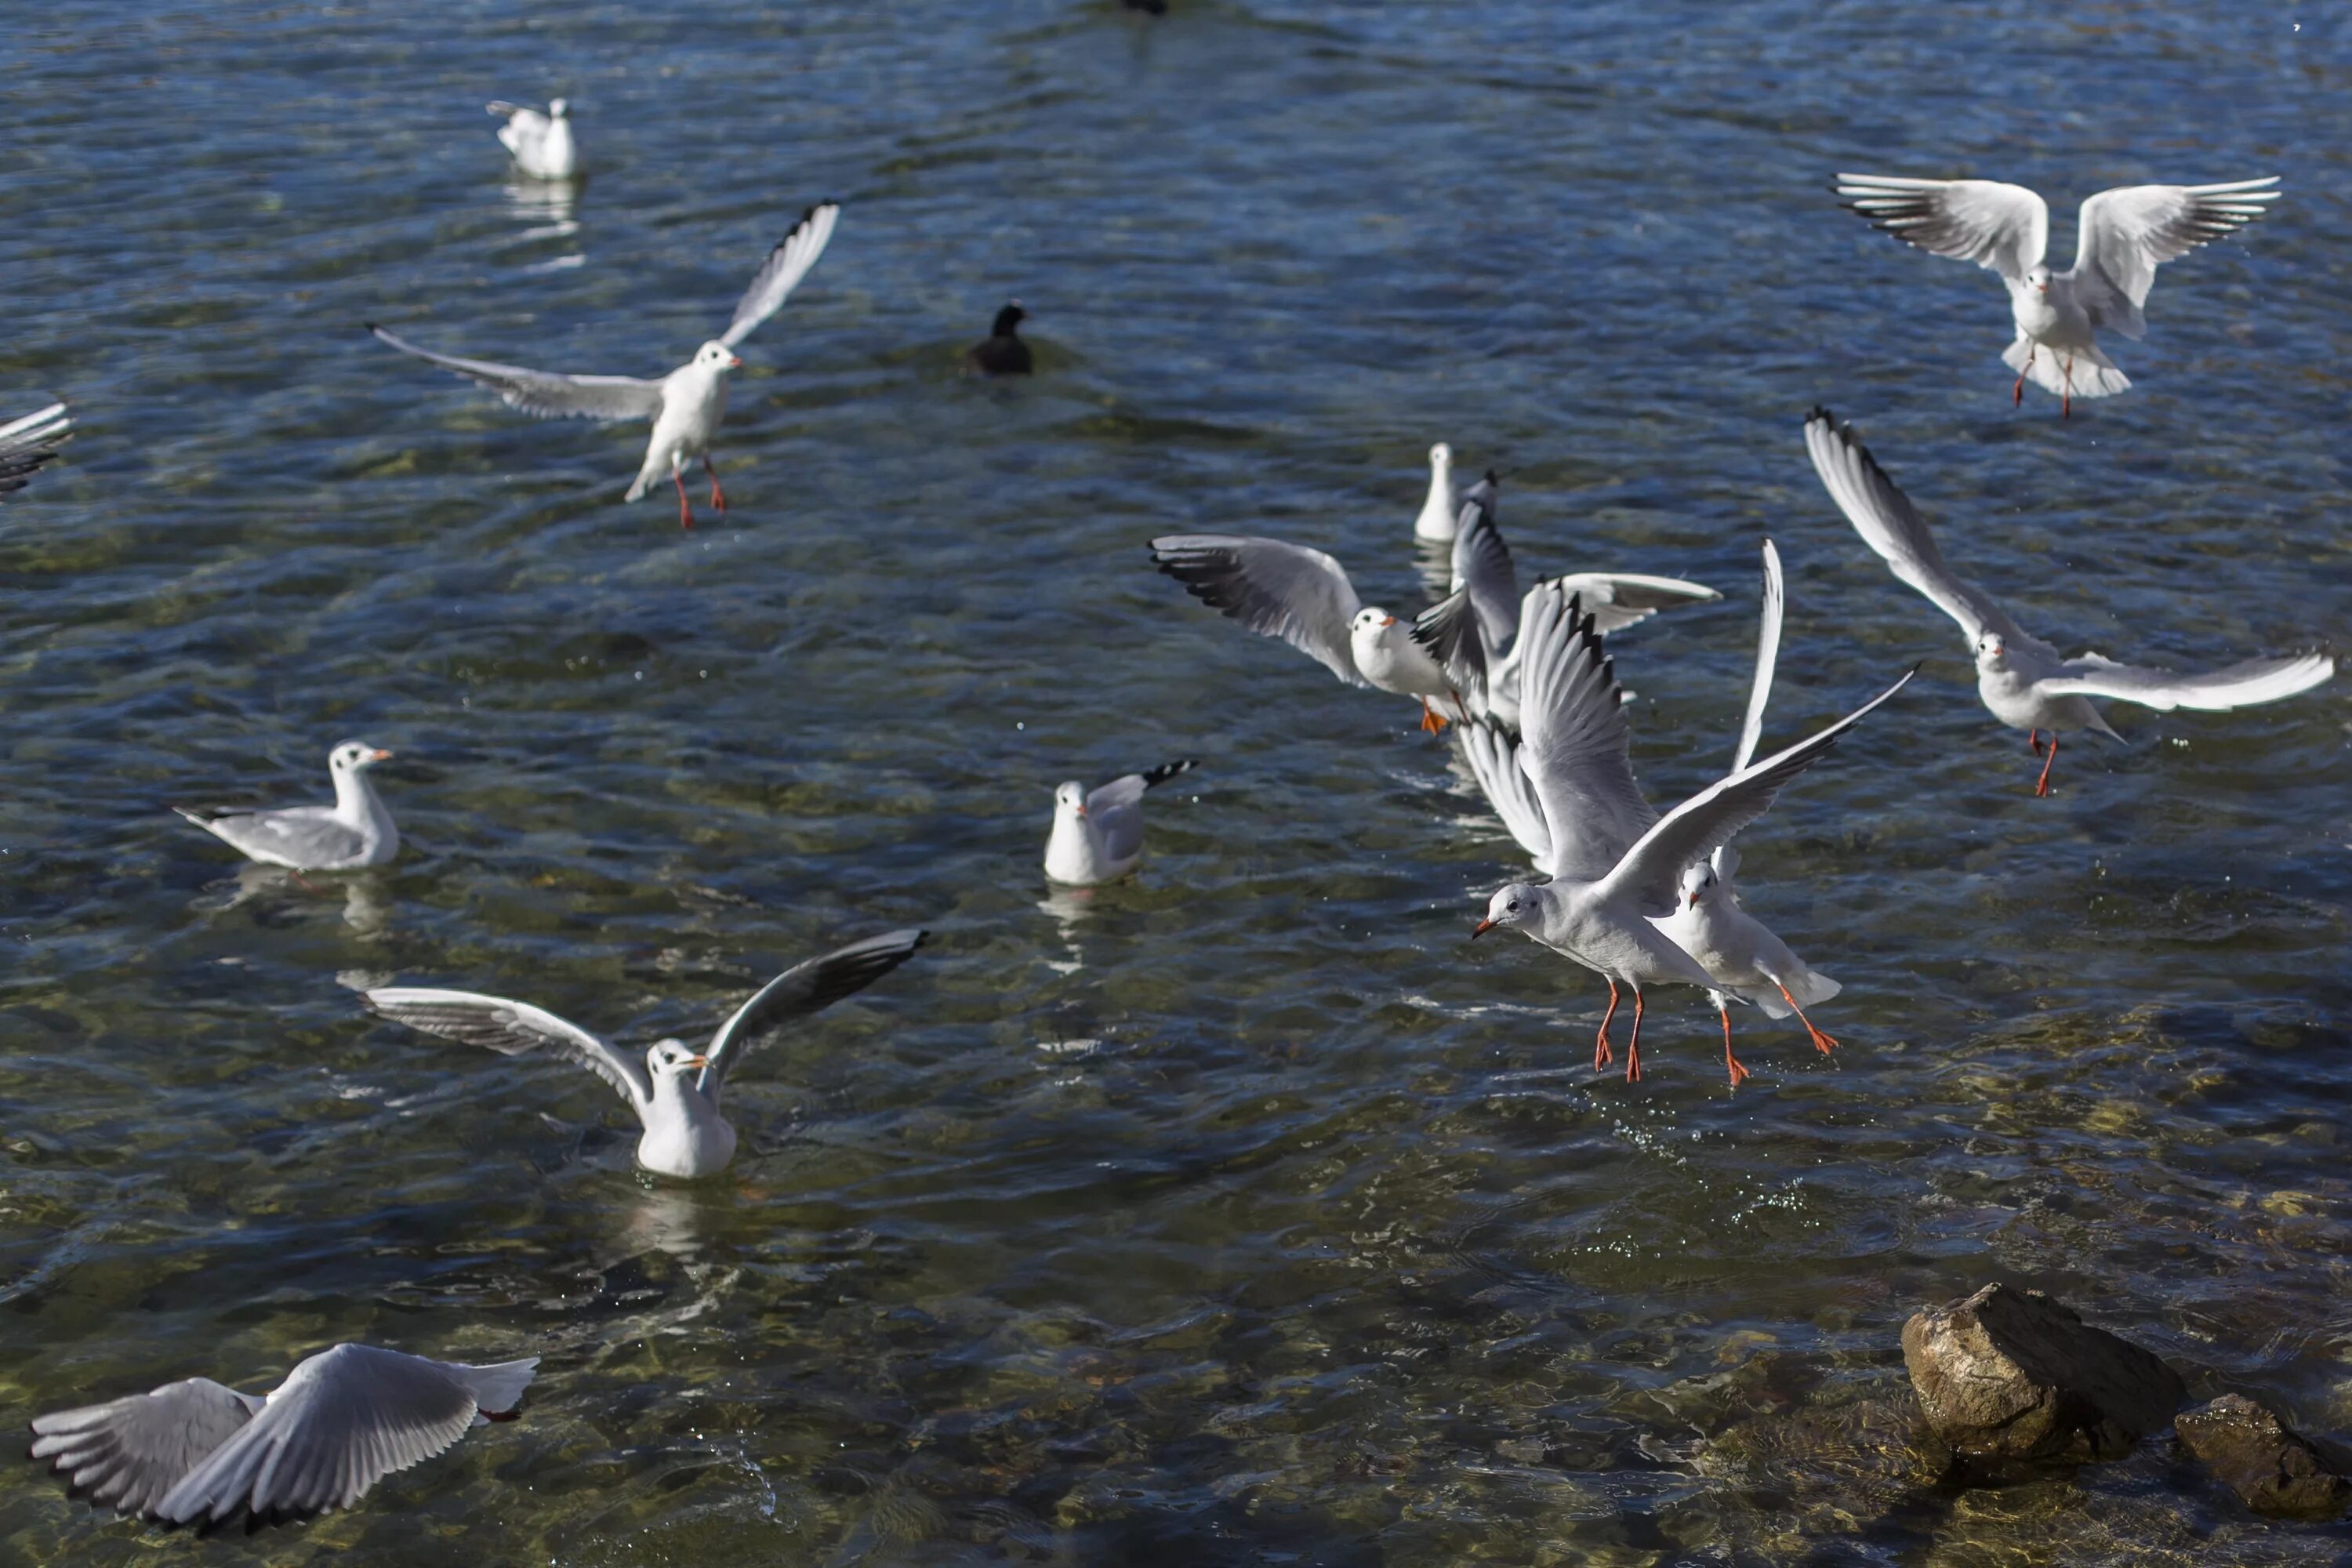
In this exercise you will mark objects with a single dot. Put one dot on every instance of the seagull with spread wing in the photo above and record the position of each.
(197, 1452)
(2025, 682)
(1616, 866)
(542, 144)
(687, 405)
(2122, 237)
(674, 1091)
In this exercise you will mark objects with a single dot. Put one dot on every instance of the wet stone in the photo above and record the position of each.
(2261, 1459)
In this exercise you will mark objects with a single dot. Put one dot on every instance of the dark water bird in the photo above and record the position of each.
(1149, 7)
(1003, 352)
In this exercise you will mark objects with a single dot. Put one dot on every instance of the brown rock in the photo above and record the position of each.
(2009, 1375)
(2262, 1459)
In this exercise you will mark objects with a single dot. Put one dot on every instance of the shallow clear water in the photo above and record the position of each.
(1245, 1212)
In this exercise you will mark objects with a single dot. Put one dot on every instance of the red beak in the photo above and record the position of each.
(1481, 929)
(379, 756)
(1387, 620)
(734, 361)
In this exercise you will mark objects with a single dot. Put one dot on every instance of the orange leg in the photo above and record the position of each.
(2066, 398)
(2042, 786)
(2033, 739)
(1822, 1042)
(2017, 392)
(718, 496)
(1731, 1063)
(1432, 721)
(1633, 1048)
(685, 512)
(1602, 1054)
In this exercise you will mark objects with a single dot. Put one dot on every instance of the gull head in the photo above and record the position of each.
(1440, 458)
(716, 356)
(1370, 620)
(670, 1058)
(2038, 279)
(1069, 800)
(557, 108)
(1513, 907)
(1699, 885)
(1990, 650)
(356, 756)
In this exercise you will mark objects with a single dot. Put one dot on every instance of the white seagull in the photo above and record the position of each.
(197, 1452)
(27, 443)
(1304, 597)
(2122, 237)
(541, 143)
(355, 832)
(687, 405)
(674, 1091)
(2026, 683)
(1616, 866)
(1442, 509)
(1097, 834)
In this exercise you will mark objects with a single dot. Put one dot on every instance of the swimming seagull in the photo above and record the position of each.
(1304, 597)
(1441, 512)
(1097, 834)
(2024, 681)
(676, 1091)
(541, 143)
(197, 1452)
(2122, 237)
(356, 831)
(27, 443)
(1001, 353)
(1616, 866)
(687, 405)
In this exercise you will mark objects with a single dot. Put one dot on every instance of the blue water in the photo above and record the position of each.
(1245, 1212)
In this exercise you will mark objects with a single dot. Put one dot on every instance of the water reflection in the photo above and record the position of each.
(273, 892)
(1067, 907)
(547, 207)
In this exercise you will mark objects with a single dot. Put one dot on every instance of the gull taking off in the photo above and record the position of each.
(2121, 238)
(1098, 835)
(2025, 682)
(541, 143)
(687, 405)
(355, 832)
(1616, 866)
(674, 1091)
(1304, 597)
(27, 443)
(197, 1452)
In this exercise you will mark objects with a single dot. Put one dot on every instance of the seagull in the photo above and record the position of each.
(1738, 952)
(1441, 511)
(197, 1452)
(683, 1133)
(1474, 633)
(355, 832)
(1304, 597)
(541, 143)
(1001, 353)
(687, 405)
(1616, 865)
(2024, 681)
(2122, 237)
(1098, 835)
(27, 443)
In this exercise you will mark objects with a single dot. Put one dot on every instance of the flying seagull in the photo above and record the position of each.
(2026, 683)
(1097, 834)
(674, 1091)
(355, 832)
(541, 143)
(687, 405)
(2122, 237)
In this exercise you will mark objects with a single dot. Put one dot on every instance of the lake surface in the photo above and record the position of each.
(1245, 1212)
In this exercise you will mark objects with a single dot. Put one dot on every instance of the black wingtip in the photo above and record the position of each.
(371, 326)
(1167, 771)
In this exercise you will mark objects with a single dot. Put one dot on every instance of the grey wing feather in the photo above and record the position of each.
(344, 1420)
(786, 264)
(27, 443)
(510, 1028)
(128, 1453)
(1893, 527)
(1127, 788)
(1652, 870)
(2002, 228)
(1493, 760)
(1616, 600)
(1482, 565)
(305, 836)
(2240, 685)
(1767, 658)
(546, 394)
(2124, 235)
(804, 989)
(1574, 740)
(1277, 590)
(1450, 630)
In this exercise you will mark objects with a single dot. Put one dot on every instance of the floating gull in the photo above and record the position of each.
(1098, 835)
(2024, 681)
(2122, 237)
(1616, 866)
(1001, 353)
(687, 405)
(27, 443)
(675, 1092)
(197, 1452)
(356, 831)
(541, 143)
(1441, 513)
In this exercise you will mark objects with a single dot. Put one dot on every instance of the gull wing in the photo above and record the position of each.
(1494, 759)
(27, 443)
(510, 1028)
(546, 394)
(804, 989)
(128, 1453)
(2004, 229)
(1616, 600)
(1574, 740)
(1276, 590)
(2240, 685)
(1450, 630)
(1767, 658)
(2124, 235)
(1482, 565)
(786, 264)
(1113, 808)
(303, 836)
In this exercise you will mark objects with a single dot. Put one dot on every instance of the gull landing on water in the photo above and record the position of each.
(1097, 834)
(687, 405)
(2122, 237)
(197, 1452)
(674, 1091)
(356, 831)
(541, 143)
(2023, 681)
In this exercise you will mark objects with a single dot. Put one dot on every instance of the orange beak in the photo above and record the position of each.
(1387, 620)
(1693, 900)
(379, 756)
(734, 361)
(697, 1061)
(1481, 929)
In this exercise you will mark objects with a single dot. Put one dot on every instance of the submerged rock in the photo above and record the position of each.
(2262, 1459)
(2012, 1376)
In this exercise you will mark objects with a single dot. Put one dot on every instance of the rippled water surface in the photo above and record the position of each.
(1245, 1212)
